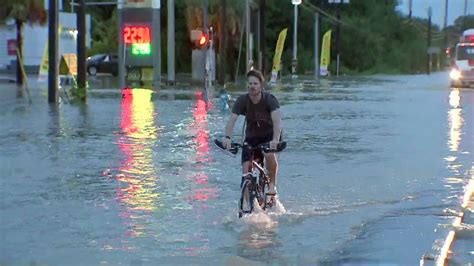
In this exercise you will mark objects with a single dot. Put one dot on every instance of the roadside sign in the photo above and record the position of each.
(11, 47)
(68, 65)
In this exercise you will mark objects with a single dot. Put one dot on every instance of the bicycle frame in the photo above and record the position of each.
(256, 185)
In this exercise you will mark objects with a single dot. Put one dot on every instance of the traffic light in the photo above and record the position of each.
(199, 39)
(202, 41)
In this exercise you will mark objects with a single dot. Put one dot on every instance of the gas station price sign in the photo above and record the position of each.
(136, 34)
(141, 48)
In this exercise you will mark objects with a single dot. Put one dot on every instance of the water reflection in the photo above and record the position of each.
(260, 244)
(455, 120)
(200, 130)
(138, 191)
(452, 183)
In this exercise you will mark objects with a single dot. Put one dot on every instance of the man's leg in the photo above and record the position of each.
(272, 167)
(245, 167)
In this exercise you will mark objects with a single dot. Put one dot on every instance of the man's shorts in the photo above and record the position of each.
(255, 142)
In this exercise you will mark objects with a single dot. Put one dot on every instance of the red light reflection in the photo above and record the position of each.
(199, 126)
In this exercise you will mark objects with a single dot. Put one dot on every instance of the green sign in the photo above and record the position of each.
(141, 49)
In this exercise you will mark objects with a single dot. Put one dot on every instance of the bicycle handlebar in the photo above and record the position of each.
(265, 147)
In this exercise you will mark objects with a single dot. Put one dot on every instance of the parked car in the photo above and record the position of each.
(102, 63)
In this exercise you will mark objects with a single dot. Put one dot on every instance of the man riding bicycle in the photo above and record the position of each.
(262, 113)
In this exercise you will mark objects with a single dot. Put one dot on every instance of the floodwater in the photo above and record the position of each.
(374, 173)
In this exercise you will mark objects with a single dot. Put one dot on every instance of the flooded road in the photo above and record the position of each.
(374, 172)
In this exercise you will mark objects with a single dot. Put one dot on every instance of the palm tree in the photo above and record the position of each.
(22, 11)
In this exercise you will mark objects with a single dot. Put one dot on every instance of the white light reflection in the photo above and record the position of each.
(455, 120)
(455, 136)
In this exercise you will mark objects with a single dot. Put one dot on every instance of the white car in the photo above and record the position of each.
(462, 71)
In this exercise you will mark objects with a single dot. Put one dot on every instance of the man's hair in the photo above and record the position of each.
(257, 74)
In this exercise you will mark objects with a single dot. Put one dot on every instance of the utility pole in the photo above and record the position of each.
(171, 43)
(81, 50)
(207, 66)
(205, 15)
(156, 48)
(19, 37)
(338, 25)
(53, 51)
(465, 7)
(258, 35)
(428, 69)
(410, 4)
(262, 35)
(338, 4)
(465, 14)
(222, 42)
(249, 61)
(445, 24)
(316, 46)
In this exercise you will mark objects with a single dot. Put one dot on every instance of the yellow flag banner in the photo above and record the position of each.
(277, 58)
(325, 54)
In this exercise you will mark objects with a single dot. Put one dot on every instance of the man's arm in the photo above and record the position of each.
(276, 118)
(229, 129)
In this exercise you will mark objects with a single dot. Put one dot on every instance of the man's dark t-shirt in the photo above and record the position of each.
(258, 116)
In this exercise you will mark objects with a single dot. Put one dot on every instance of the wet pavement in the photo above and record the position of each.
(374, 173)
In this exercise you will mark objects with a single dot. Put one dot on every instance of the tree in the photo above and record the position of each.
(464, 22)
(104, 35)
(22, 11)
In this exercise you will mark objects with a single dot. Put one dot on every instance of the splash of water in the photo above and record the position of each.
(264, 219)
(277, 208)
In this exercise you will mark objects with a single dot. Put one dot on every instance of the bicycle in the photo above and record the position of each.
(255, 183)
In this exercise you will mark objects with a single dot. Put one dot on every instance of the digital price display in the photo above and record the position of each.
(141, 48)
(136, 34)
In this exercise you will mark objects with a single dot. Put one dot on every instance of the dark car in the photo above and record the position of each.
(102, 63)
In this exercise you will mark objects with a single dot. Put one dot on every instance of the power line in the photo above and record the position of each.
(314, 8)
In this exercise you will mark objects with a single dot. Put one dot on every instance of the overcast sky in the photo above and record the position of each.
(420, 9)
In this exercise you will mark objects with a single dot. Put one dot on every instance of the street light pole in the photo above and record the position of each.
(295, 34)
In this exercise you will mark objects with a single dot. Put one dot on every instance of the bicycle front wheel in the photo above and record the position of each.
(246, 204)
